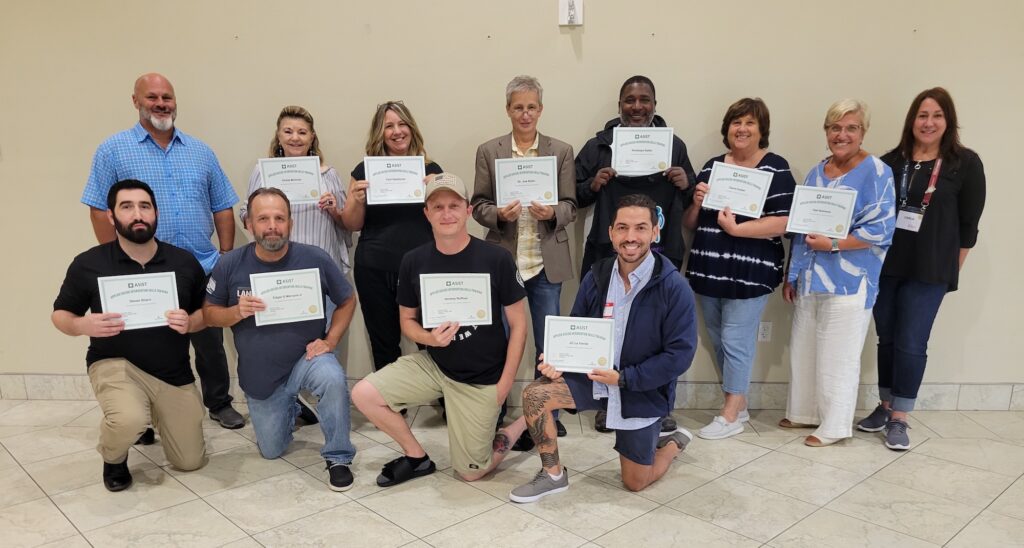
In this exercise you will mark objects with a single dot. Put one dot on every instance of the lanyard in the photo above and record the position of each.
(905, 188)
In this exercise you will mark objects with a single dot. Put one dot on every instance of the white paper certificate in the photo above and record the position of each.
(290, 296)
(826, 211)
(579, 345)
(641, 150)
(142, 300)
(463, 298)
(394, 179)
(527, 180)
(298, 177)
(741, 189)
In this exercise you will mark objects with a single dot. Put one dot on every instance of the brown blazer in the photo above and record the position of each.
(554, 241)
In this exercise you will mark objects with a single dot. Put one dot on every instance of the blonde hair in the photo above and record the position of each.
(299, 113)
(375, 140)
(843, 107)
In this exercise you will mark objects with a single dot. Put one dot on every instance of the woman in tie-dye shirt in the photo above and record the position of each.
(834, 282)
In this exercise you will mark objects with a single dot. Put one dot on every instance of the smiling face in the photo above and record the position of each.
(270, 222)
(524, 109)
(447, 213)
(929, 124)
(744, 134)
(397, 134)
(155, 101)
(295, 136)
(636, 105)
(845, 136)
(632, 233)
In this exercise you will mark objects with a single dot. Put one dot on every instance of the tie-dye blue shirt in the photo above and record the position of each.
(874, 220)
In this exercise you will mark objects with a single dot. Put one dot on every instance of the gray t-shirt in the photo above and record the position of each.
(267, 354)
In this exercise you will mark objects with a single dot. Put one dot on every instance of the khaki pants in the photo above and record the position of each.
(131, 399)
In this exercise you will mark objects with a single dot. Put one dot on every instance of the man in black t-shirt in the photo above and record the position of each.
(472, 367)
(140, 375)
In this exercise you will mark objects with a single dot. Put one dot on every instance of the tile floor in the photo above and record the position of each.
(962, 484)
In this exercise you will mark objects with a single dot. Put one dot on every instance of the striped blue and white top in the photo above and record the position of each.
(727, 267)
(312, 225)
(874, 221)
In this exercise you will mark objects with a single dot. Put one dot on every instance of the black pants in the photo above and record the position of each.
(212, 366)
(378, 294)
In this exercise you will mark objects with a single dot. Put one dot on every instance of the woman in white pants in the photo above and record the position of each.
(834, 282)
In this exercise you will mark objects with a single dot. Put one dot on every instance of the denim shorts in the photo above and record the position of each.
(638, 446)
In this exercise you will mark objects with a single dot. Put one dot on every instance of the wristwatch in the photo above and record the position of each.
(835, 245)
(622, 381)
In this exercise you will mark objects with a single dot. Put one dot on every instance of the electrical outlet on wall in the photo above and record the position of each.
(764, 332)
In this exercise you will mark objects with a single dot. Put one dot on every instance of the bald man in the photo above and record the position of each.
(195, 199)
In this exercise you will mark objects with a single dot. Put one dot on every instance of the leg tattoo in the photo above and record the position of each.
(549, 460)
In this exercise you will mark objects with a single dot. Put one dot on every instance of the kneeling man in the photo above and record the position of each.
(653, 309)
(472, 367)
(140, 376)
(278, 360)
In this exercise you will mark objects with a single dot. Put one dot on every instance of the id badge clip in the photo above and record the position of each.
(910, 218)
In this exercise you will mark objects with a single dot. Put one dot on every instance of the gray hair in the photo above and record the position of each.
(843, 107)
(523, 83)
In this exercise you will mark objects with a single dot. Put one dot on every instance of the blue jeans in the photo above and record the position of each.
(904, 314)
(543, 298)
(273, 419)
(732, 327)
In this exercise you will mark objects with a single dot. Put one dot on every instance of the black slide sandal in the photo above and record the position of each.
(401, 471)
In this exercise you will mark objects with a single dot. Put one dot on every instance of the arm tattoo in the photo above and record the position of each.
(501, 443)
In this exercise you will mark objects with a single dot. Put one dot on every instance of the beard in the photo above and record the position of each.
(272, 243)
(625, 120)
(162, 124)
(136, 236)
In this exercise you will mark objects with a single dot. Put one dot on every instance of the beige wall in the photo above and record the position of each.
(67, 70)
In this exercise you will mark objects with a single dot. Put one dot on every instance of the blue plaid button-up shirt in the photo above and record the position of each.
(187, 179)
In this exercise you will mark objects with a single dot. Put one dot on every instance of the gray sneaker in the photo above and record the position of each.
(896, 437)
(539, 487)
(681, 436)
(875, 422)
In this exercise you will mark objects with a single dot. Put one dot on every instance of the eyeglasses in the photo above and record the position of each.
(835, 129)
(390, 104)
(532, 109)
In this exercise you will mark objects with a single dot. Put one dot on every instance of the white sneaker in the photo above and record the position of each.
(719, 429)
(744, 416)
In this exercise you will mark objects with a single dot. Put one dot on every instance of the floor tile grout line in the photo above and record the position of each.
(986, 508)
(961, 463)
(891, 529)
(300, 518)
(385, 518)
(972, 419)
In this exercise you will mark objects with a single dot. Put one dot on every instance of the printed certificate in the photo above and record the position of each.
(463, 298)
(290, 296)
(394, 179)
(142, 300)
(527, 180)
(826, 211)
(641, 150)
(579, 345)
(741, 189)
(298, 177)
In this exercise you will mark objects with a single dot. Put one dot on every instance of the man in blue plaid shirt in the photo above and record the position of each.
(195, 199)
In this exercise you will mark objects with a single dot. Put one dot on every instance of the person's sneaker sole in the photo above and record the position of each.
(897, 447)
(340, 489)
(534, 498)
(866, 429)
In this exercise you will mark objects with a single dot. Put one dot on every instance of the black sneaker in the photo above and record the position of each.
(668, 424)
(307, 412)
(875, 422)
(341, 476)
(228, 418)
(601, 421)
(116, 477)
(560, 429)
(147, 438)
(524, 443)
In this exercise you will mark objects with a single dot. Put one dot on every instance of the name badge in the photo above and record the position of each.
(609, 310)
(909, 219)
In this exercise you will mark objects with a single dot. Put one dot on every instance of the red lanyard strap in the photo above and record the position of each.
(931, 184)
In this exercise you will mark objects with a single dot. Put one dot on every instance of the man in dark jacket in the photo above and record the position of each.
(653, 308)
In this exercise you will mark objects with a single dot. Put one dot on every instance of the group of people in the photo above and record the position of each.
(897, 261)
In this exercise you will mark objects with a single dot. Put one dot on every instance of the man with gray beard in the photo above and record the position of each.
(278, 360)
(195, 198)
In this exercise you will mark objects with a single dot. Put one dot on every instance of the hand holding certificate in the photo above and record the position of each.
(743, 190)
(297, 176)
(142, 300)
(461, 298)
(394, 179)
(826, 211)
(289, 296)
(527, 180)
(641, 150)
(579, 345)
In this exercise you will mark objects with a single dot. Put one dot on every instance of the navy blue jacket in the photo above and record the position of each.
(660, 338)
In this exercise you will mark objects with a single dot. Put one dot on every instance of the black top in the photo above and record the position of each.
(159, 351)
(477, 354)
(728, 267)
(932, 254)
(390, 231)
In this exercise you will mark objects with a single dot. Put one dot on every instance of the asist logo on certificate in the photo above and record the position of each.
(743, 190)
(290, 296)
(142, 300)
(527, 180)
(579, 345)
(394, 179)
(825, 211)
(462, 298)
(297, 176)
(641, 150)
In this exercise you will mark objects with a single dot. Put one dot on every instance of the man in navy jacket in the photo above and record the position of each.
(655, 340)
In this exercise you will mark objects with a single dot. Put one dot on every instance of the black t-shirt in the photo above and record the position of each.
(159, 351)
(390, 231)
(477, 354)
